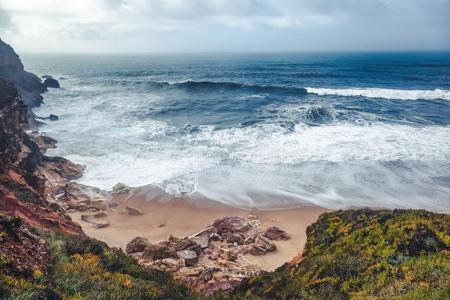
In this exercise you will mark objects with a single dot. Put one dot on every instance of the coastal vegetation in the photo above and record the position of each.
(74, 267)
(365, 254)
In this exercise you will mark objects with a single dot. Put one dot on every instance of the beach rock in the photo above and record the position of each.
(229, 255)
(214, 236)
(100, 224)
(190, 257)
(236, 237)
(133, 211)
(100, 214)
(137, 244)
(202, 240)
(187, 244)
(53, 117)
(170, 262)
(231, 225)
(51, 83)
(120, 188)
(265, 244)
(155, 251)
(256, 250)
(276, 234)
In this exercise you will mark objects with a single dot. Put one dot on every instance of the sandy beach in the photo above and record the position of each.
(182, 218)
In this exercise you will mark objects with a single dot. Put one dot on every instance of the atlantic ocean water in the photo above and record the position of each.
(338, 130)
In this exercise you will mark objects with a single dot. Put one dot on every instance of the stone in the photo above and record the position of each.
(214, 236)
(187, 244)
(120, 188)
(81, 207)
(133, 211)
(155, 251)
(85, 218)
(51, 83)
(101, 224)
(53, 117)
(171, 263)
(229, 255)
(190, 257)
(256, 250)
(276, 234)
(100, 214)
(231, 225)
(236, 237)
(137, 244)
(265, 244)
(201, 240)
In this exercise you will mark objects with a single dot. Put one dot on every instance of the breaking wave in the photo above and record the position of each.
(391, 94)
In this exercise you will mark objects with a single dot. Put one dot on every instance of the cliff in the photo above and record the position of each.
(11, 68)
(23, 190)
(365, 254)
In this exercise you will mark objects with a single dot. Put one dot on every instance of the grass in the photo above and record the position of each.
(366, 254)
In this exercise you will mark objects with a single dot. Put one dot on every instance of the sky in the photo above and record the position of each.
(129, 26)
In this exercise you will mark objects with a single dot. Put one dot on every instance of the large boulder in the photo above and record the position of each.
(231, 225)
(120, 188)
(155, 251)
(236, 237)
(187, 244)
(276, 234)
(137, 244)
(262, 246)
(190, 257)
(51, 83)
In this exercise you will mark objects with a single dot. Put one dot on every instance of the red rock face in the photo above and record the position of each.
(24, 189)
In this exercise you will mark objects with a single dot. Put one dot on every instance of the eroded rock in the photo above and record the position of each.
(133, 211)
(137, 244)
(276, 234)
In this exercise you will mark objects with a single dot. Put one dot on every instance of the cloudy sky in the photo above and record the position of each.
(224, 25)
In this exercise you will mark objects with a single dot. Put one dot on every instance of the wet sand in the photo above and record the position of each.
(181, 218)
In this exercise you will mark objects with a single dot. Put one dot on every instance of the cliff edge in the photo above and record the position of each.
(28, 84)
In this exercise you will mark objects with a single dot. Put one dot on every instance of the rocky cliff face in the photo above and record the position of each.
(11, 68)
(23, 184)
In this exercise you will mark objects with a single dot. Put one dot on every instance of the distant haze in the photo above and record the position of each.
(121, 26)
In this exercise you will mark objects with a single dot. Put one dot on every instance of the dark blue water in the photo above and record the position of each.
(270, 130)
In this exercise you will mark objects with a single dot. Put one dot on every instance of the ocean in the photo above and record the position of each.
(337, 130)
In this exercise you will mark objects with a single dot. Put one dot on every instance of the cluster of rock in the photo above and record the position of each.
(213, 259)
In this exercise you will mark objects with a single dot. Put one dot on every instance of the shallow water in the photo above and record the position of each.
(338, 130)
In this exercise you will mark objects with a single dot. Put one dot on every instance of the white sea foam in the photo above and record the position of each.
(336, 165)
(393, 94)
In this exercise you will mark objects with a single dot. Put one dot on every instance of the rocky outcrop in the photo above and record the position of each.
(24, 189)
(11, 68)
(213, 259)
(50, 82)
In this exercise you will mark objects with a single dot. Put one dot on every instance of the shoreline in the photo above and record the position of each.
(181, 218)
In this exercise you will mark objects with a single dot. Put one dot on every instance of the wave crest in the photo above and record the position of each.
(214, 86)
(392, 94)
